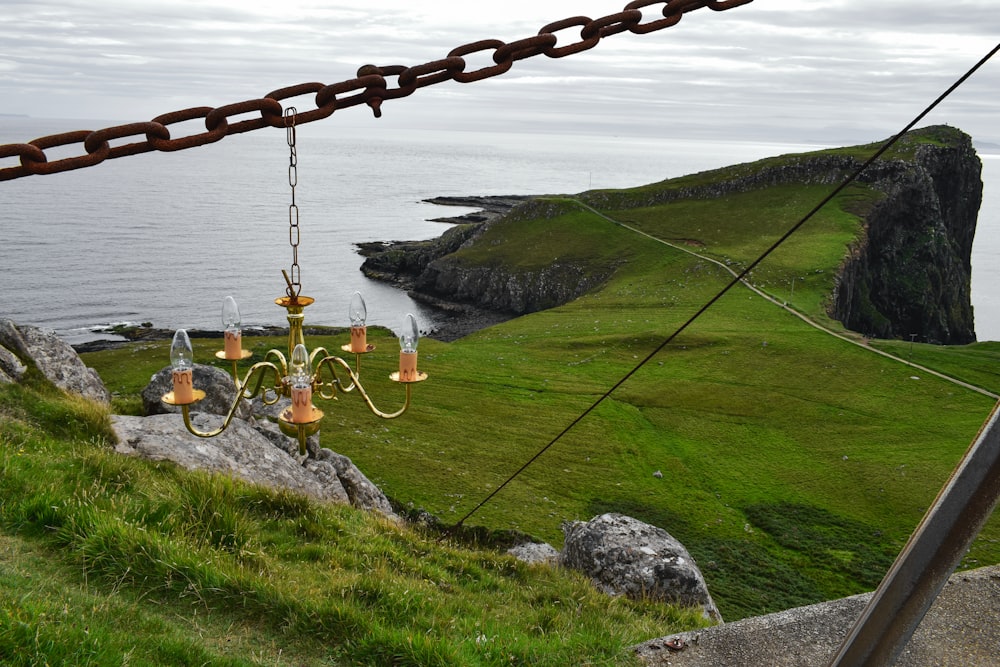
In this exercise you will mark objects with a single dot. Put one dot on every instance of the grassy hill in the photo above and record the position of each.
(794, 463)
(108, 560)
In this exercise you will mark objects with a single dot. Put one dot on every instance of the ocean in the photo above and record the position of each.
(165, 237)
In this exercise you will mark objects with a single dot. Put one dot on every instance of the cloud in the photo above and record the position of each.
(777, 68)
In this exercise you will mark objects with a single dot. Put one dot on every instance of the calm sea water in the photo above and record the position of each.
(163, 238)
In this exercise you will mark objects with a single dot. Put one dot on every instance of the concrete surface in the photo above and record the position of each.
(961, 629)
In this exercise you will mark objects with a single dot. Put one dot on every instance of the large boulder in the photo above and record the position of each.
(252, 447)
(624, 556)
(362, 492)
(54, 358)
(218, 385)
(239, 451)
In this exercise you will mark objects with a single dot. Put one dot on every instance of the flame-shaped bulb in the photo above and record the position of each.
(181, 354)
(230, 314)
(298, 366)
(358, 311)
(410, 336)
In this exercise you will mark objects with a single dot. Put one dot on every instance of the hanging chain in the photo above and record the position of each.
(295, 279)
(369, 87)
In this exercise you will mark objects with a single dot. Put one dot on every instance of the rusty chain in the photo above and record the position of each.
(368, 87)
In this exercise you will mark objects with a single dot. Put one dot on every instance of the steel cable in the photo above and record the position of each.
(736, 280)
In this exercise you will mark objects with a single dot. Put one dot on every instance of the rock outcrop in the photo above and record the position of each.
(239, 451)
(535, 553)
(433, 274)
(624, 556)
(401, 262)
(251, 449)
(53, 357)
(911, 271)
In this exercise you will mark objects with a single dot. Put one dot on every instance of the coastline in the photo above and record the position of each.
(458, 319)
(457, 325)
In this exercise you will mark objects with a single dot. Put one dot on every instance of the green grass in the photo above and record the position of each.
(794, 464)
(748, 408)
(111, 560)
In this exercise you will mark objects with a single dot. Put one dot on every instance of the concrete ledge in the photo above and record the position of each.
(961, 629)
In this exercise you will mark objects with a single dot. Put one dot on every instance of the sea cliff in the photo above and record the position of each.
(908, 272)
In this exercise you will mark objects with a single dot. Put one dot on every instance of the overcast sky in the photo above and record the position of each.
(817, 71)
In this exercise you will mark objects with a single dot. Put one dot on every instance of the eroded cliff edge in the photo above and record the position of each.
(908, 272)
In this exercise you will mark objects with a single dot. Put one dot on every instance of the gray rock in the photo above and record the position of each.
(11, 368)
(239, 451)
(55, 358)
(218, 385)
(534, 553)
(271, 412)
(270, 429)
(362, 492)
(624, 556)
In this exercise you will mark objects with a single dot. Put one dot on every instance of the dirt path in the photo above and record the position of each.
(784, 305)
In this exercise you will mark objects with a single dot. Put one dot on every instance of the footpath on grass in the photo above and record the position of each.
(784, 305)
(960, 629)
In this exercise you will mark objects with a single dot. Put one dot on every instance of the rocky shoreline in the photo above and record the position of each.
(459, 319)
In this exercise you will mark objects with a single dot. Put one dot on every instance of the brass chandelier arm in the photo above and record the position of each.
(334, 385)
(279, 361)
(333, 363)
(186, 411)
(257, 372)
(263, 367)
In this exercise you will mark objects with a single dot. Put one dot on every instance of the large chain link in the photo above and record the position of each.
(368, 87)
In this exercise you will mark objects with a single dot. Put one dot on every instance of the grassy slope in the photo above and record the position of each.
(110, 560)
(794, 464)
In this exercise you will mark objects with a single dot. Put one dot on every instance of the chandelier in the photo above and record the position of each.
(302, 375)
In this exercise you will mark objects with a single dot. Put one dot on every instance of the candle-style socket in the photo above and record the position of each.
(183, 386)
(359, 339)
(301, 404)
(407, 366)
(233, 345)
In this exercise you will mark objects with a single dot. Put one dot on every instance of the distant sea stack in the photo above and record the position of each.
(908, 273)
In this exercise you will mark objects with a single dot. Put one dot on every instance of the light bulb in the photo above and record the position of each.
(299, 366)
(359, 332)
(232, 336)
(358, 312)
(182, 373)
(181, 354)
(410, 336)
(408, 350)
(230, 314)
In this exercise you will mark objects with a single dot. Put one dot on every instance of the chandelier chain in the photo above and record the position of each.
(368, 87)
(294, 234)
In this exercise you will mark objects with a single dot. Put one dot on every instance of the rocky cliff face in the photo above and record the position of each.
(429, 271)
(908, 273)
